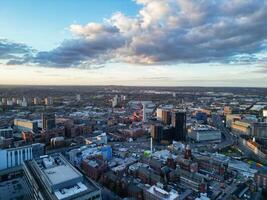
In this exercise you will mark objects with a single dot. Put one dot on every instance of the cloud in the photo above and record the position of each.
(261, 69)
(12, 51)
(167, 32)
(94, 45)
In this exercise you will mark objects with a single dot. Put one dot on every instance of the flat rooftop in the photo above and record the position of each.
(13, 189)
(60, 174)
(201, 127)
(59, 178)
(162, 193)
(57, 171)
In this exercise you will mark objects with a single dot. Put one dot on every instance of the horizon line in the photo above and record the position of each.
(120, 85)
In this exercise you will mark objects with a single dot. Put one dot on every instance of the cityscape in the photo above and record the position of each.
(133, 100)
(115, 142)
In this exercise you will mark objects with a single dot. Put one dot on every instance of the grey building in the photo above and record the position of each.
(54, 178)
(48, 121)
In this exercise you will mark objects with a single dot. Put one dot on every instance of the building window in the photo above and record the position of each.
(23, 154)
(16, 158)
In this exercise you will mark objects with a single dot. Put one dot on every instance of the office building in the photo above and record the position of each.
(36, 101)
(261, 179)
(106, 152)
(6, 132)
(26, 125)
(78, 97)
(48, 134)
(156, 131)
(4, 101)
(241, 127)
(54, 178)
(259, 130)
(204, 133)
(9, 102)
(48, 121)
(144, 112)
(13, 157)
(166, 116)
(179, 124)
(24, 103)
(49, 101)
(115, 101)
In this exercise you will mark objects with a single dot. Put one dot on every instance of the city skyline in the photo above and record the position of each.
(141, 42)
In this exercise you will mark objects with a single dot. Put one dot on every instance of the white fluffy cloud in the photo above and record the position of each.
(167, 31)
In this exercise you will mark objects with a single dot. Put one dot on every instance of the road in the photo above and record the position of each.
(228, 138)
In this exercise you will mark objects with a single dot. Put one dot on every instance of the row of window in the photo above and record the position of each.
(20, 155)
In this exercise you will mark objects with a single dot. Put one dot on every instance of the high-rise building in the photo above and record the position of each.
(36, 100)
(24, 102)
(166, 116)
(48, 101)
(115, 101)
(156, 131)
(78, 97)
(4, 101)
(144, 112)
(48, 120)
(259, 129)
(179, 124)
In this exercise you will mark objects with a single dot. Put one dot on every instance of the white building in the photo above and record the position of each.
(115, 101)
(9, 102)
(24, 103)
(156, 193)
(36, 101)
(78, 97)
(98, 140)
(203, 133)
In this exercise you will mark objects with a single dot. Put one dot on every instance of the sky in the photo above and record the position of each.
(134, 42)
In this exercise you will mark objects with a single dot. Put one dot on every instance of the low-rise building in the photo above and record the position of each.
(261, 179)
(26, 125)
(6, 132)
(204, 133)
(156, 193)
(241, 127)
(190, 180)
